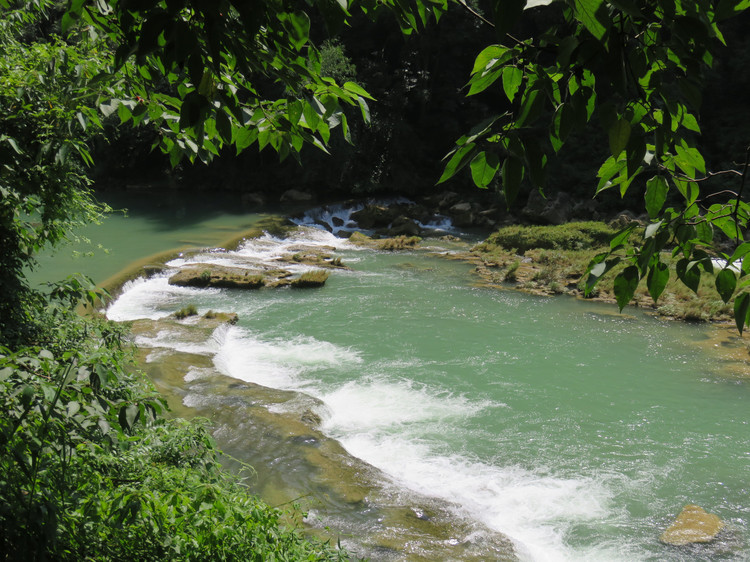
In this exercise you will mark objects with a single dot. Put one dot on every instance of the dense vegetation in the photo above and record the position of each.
(89, 467)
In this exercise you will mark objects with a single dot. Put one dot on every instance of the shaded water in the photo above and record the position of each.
(577, 432)
(144, 224)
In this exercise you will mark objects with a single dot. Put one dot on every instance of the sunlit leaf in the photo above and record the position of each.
(726, 282)
(484, 166)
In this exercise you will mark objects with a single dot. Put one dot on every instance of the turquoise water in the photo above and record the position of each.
(143, 224)
(576, 431)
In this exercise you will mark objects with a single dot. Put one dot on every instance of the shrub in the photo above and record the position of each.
(510, 273)
(89, 471)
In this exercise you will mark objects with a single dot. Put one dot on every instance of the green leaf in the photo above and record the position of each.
(658, 276)
(480, 82)
(690, 276)
(512, 78)
(563, 121)
(619, 135)
(299, 28)
(741, 251)
(726, 283)
(224, 126)
(652, 229)
(488, 56)
(621, 237)
(689, 159)
(656, 195)
(742, 311)
(531, 107)
(128, 415)
(484, 166)
(460, 158)
(689, 190)
(512, 174)
(730, 8)
(705, 232)
(593, 15)
(625, 285)
(536, 160)
(356, 89)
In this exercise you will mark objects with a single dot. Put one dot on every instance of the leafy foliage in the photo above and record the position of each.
(221, 73)
(89, 470)
(637, 69)
(46, 92)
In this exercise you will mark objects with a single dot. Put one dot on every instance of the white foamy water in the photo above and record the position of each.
(393, 425)
(279, 363)
(152, 299)
(533, 509)
(338, 218)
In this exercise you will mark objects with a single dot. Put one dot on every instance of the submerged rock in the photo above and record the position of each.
(693, 525)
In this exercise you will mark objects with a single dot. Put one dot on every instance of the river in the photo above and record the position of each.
(440, 416)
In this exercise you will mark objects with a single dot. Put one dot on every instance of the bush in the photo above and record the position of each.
(89, 470)
(510, 273)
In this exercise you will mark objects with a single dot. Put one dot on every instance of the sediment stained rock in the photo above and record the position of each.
(693, 525)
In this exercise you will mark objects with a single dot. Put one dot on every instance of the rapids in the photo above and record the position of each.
(418, 416)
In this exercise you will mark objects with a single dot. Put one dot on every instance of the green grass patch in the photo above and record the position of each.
(572, 236)
(183, 313)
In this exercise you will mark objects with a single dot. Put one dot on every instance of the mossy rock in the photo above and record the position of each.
(388, 244)
(222, 317)
(310, 279)
(570, 236)
(220, 277)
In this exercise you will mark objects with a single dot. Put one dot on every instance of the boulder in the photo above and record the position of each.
(624, 219)
(404, 226)
(448, 199)
(295, 196)
(693, 525)
(461, 208)
(547, 211)
(222, 317)
(374, 216)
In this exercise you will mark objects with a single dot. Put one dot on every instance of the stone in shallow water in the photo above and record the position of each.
(693, 525)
